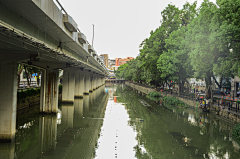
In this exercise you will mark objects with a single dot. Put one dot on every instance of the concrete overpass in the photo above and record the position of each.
(38, 33)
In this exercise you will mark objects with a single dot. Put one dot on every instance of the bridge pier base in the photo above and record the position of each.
(8, 101)
(49, 91)
(68, 86)
(79, 84)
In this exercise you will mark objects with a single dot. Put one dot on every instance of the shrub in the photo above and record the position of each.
(21, 96)
(236, 131)
(173, 101)
(154, 94)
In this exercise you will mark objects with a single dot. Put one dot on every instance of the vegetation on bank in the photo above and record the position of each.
(154, 94)
(30, 93)
(236, 132)
(174, 101)
(190, 42)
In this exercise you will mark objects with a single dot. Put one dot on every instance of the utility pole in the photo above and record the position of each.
(93, 35)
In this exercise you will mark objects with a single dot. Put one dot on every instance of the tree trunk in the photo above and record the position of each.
(26, 73)
(179, 86)
(220, 83)
(38, 79)
(208, 85)
(18, 74)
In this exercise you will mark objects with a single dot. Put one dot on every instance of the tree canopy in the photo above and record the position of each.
(190, 42)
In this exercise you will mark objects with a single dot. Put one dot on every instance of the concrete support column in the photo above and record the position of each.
(49, 91)
(102, 82)
(87, 82)
(79, 84)
(90, 82)
(97, 81)
(93, 82)
(8, 101)
(68, 89)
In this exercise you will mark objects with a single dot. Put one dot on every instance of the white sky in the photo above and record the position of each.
(120, 25)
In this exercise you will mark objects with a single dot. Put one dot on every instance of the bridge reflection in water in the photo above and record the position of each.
(64, 134)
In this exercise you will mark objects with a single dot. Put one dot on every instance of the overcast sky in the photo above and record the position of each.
(120, 25)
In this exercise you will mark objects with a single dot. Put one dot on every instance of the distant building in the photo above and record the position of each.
(120, 61)
(104, 58)
(111, 63)
(114, 68)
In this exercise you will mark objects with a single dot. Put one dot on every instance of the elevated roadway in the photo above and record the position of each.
(39, 33)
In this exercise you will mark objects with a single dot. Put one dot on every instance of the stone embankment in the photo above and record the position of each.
(144, 89)
(224, 114)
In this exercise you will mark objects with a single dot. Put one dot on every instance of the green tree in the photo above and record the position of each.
(203, 54)
(174, 62)
(154, 46)
(226, 35)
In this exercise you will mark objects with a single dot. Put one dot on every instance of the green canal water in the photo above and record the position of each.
(116, 121)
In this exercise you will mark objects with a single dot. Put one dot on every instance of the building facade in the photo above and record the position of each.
(104, 58)
(120, 61)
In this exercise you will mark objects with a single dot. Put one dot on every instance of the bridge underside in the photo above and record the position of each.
(38, 41)
(15, 47)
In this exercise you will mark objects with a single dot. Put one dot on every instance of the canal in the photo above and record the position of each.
(116, 121)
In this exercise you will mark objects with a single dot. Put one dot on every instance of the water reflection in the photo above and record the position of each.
(168, 132)
(121, 123)
(117, 138)
(69, 134)
(67, 116)
(7, 150)
(47, 133)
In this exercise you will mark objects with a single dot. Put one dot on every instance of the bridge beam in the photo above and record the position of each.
(8, 101)
(79, 84)
(49, 91)
(68, 85)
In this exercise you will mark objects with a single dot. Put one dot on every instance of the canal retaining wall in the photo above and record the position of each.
(140, 88)
(224, 114)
